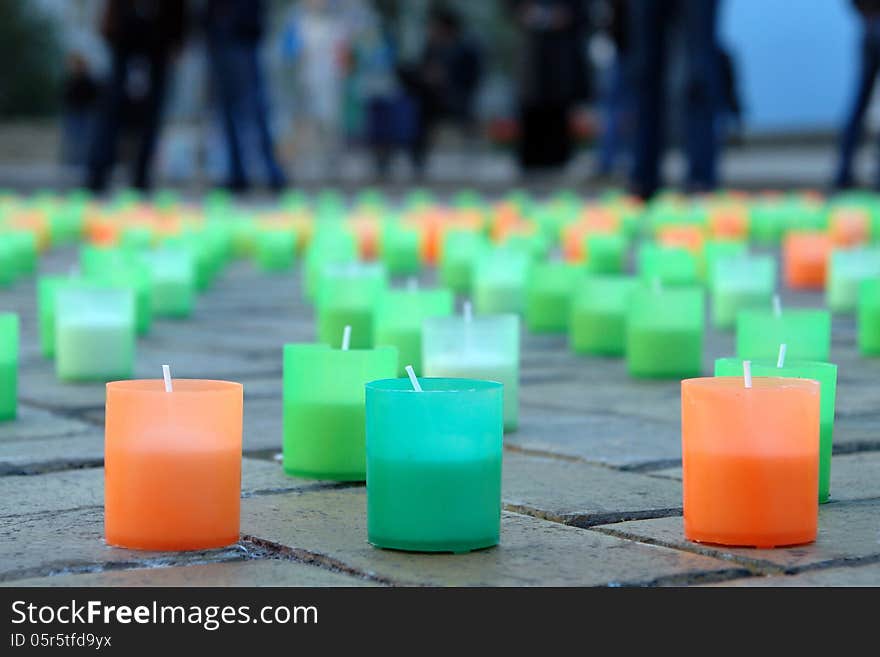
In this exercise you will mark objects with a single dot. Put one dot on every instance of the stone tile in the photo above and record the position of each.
(73, 541)
(847, 531)
(34, 423)
(261, 572)
(532, 552)
(33, 456)
(189, 364)
(584, 495)
(844, 576)
(598, 438)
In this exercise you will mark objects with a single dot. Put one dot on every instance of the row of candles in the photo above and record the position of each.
(430, 448)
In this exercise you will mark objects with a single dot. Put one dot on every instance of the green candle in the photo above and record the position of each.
(347, 296)
(399, 248)
(669, 265)
(8, 366)
(664, 332)
(274, 250)
(548, 298)
(869, 317)
(324, 408)
(330, 246)
(500, 281)
(606, 254)
(460, 252)
(846, 271)
(824, 373)
(172, 282)
(46, 289)
(434, 464)
(716, 251)
(399, 318)
(739, 283)
(598, 317)
(807, 333)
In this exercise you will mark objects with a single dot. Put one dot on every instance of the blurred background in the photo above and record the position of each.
(259, 95)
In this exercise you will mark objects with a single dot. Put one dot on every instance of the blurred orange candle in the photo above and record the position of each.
(805, 259)
(172, 464)
(750, 460)
(849, 227)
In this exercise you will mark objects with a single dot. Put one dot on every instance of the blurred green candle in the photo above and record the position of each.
(458, 257)
(94, 333)
(24, 251)
(598, 316)
(324, 417)
(868, 317)
(46, 289)
(807, 332)
(172, 278)
(329, 246)
(606, 254)
(669, 265)
(715, 251)
(434, 464)
(399, 318)
(846, 271)
(347, 296)
(8, 265)
(274, 250)
(500, 281)
(664, 332)
(824, 373)
(551, 286)
(399, 247)
(8, 366)
(738, 283)
(134, 277)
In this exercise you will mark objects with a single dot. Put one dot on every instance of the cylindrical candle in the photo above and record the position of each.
(8, 366)
(750, 460)
(47, 286)
(846, 271)
(172, 464)
(669, 265)
(805, 257)
(485, 347)
(399, 248)
(548, 297)
(274, 249)
(324, 408)
(605, 254)
(500, 281)
(806, 332)
(347, 296)
(461, 250)
(598, 316)
(434, 464)
(869, 317)
(664, 332)
(399, 318)
(172, 282)
(739, 283)
(94, 333)
(825, 374)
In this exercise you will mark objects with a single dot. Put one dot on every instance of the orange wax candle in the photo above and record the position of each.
(849, 227)
(805, 256)
(172, 464)
(750, 460)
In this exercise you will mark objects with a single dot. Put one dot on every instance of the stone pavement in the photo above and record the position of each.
(591, 489)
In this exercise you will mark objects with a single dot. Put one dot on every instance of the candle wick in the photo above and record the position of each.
(412, 378)
(747, 373)
(780, 361)
(346, 337)
(777, 306)
(468, 311)
(166, 374)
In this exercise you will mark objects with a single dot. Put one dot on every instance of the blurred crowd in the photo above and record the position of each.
(652, 71)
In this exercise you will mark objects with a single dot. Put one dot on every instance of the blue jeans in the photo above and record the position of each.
(616, 103)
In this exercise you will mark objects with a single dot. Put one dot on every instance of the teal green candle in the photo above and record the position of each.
(324, 417)
(869, 317)
(434, 464)
(669, 265)
(8, 366)
(740, 283)
(8, 266)
(399, 318)
(825, 374)
(846, 271)
(551, 286)
(172, 277)
(598, 317)
(664, 332)
(347, 296)
(806, 332)
(606, 254)
(24, 249)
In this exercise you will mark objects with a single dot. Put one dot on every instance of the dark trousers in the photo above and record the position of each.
(650, 25)
(545, 140)
(146, 77)
(243, 106)
(869, 66)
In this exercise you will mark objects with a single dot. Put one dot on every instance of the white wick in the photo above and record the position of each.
(166, 374)
(777, 306)
(412, 378)
(780, 362)
(747, 373)
(468, 311)
(346, 337)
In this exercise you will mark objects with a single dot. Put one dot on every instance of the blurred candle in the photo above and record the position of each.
(9, 339)
(172, 282)
(739, 283)
(274, 249)
(750, 460)
(399, 249)
(324, 408)
(605, 254)
(846, 271)
(671, 265)
(172, 464)
(548, 298)
(347, 295)
(598, 317)
(434, 464)
(46, 289)
(400, 315)
(807, 333)
(805, 259)
(500, 281)
(869, 317)
(461, 250)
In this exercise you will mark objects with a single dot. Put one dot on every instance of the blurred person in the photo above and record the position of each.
(651, 27)
(79, 97)
(143, 37)
(234, 30)
(444, 81)
(731, 109)
(616, 93)
(869, 65)
(552, 78)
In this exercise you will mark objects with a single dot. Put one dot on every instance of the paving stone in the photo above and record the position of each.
(31, 456)
(258, 572)
(845, 576)
(847, 531)
(73, 541)
(35, 423)
(581, 494)
(332, 525)
(608, 439)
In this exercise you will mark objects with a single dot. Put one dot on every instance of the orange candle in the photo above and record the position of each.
(805, 257)
(750, 460)
(849, 227)
(172, 464)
